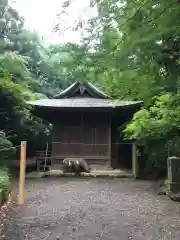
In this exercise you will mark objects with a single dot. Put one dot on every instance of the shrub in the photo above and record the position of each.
(6, 147)
(157, 128)
(5, 183)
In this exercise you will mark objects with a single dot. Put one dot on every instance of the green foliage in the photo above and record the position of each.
(132, 49)
(20, 54)
(6, 148)
(5, 183)
(157, 128)
(13, 106)
(161, 120)
(16, 118)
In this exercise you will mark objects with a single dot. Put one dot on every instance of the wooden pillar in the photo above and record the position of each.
(53, 139)
(37, 164)
(22, 173)
(135, 169)
(109, 141)
(114, 145)
(117, 147)
(82, 140)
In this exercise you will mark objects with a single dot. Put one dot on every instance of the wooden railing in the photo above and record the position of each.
(43, 160)
(42, 154)
(80, 149)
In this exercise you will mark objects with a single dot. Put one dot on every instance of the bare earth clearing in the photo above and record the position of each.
(87, 209)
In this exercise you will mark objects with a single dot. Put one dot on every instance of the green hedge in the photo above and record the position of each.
(6, 148)
(5, 184)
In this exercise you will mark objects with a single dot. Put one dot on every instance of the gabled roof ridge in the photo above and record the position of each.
(89, 87)
(96, 89)
(66, 90)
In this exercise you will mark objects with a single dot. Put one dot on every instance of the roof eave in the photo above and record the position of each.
(115, 106)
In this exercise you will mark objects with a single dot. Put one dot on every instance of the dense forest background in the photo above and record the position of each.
(131, 49)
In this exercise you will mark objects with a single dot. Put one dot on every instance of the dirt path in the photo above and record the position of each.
(96, 209)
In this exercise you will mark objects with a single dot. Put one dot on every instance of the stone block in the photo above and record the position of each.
(77, 164)
(172, 187)
(173, 165)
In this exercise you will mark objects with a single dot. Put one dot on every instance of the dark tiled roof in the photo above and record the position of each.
(66, 91)
(82, 95)
(82, 102)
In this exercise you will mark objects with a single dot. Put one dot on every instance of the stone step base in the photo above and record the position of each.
(92, 167)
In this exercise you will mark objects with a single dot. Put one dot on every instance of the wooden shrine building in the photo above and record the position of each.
(85, 123)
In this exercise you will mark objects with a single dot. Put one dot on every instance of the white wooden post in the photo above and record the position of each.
(22, 172)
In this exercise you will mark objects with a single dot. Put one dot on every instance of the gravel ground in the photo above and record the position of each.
(85, 209)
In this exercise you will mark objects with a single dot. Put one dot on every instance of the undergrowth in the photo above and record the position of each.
(5, 183)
